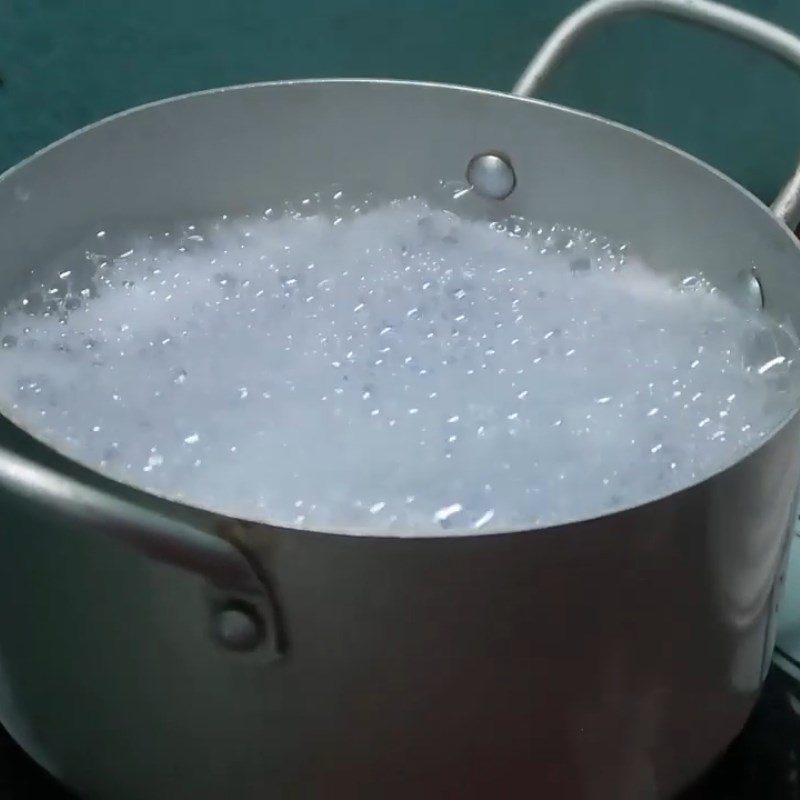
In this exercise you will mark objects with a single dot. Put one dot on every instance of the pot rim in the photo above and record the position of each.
(416, 534)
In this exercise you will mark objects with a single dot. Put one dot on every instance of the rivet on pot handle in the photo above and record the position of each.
(752, 30)
(156, 536)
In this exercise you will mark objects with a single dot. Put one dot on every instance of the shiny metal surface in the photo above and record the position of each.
(157, 537)
(239, 627)
(787, 204)
(491, 175)
(160, 538)
(609, 658)
(755, 31)
(748, 293)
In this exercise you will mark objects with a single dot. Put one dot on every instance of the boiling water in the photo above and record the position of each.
(399, 369)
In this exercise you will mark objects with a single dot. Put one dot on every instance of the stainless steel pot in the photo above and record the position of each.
(150, 650)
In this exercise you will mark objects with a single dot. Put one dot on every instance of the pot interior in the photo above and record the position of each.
(239, 149)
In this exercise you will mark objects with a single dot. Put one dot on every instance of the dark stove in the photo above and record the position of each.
(762, 764)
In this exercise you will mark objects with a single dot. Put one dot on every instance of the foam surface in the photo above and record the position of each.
(394, 370)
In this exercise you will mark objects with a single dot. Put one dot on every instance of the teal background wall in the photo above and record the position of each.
(65, 63)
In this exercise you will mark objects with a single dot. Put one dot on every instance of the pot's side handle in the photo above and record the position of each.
(757, 32)
(158, 537)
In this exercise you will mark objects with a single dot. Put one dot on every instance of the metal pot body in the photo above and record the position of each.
(609, 658)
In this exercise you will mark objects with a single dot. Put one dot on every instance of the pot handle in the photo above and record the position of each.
(154, 535)
(737, 24)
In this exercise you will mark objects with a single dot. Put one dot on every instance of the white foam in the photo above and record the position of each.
(395, 370)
